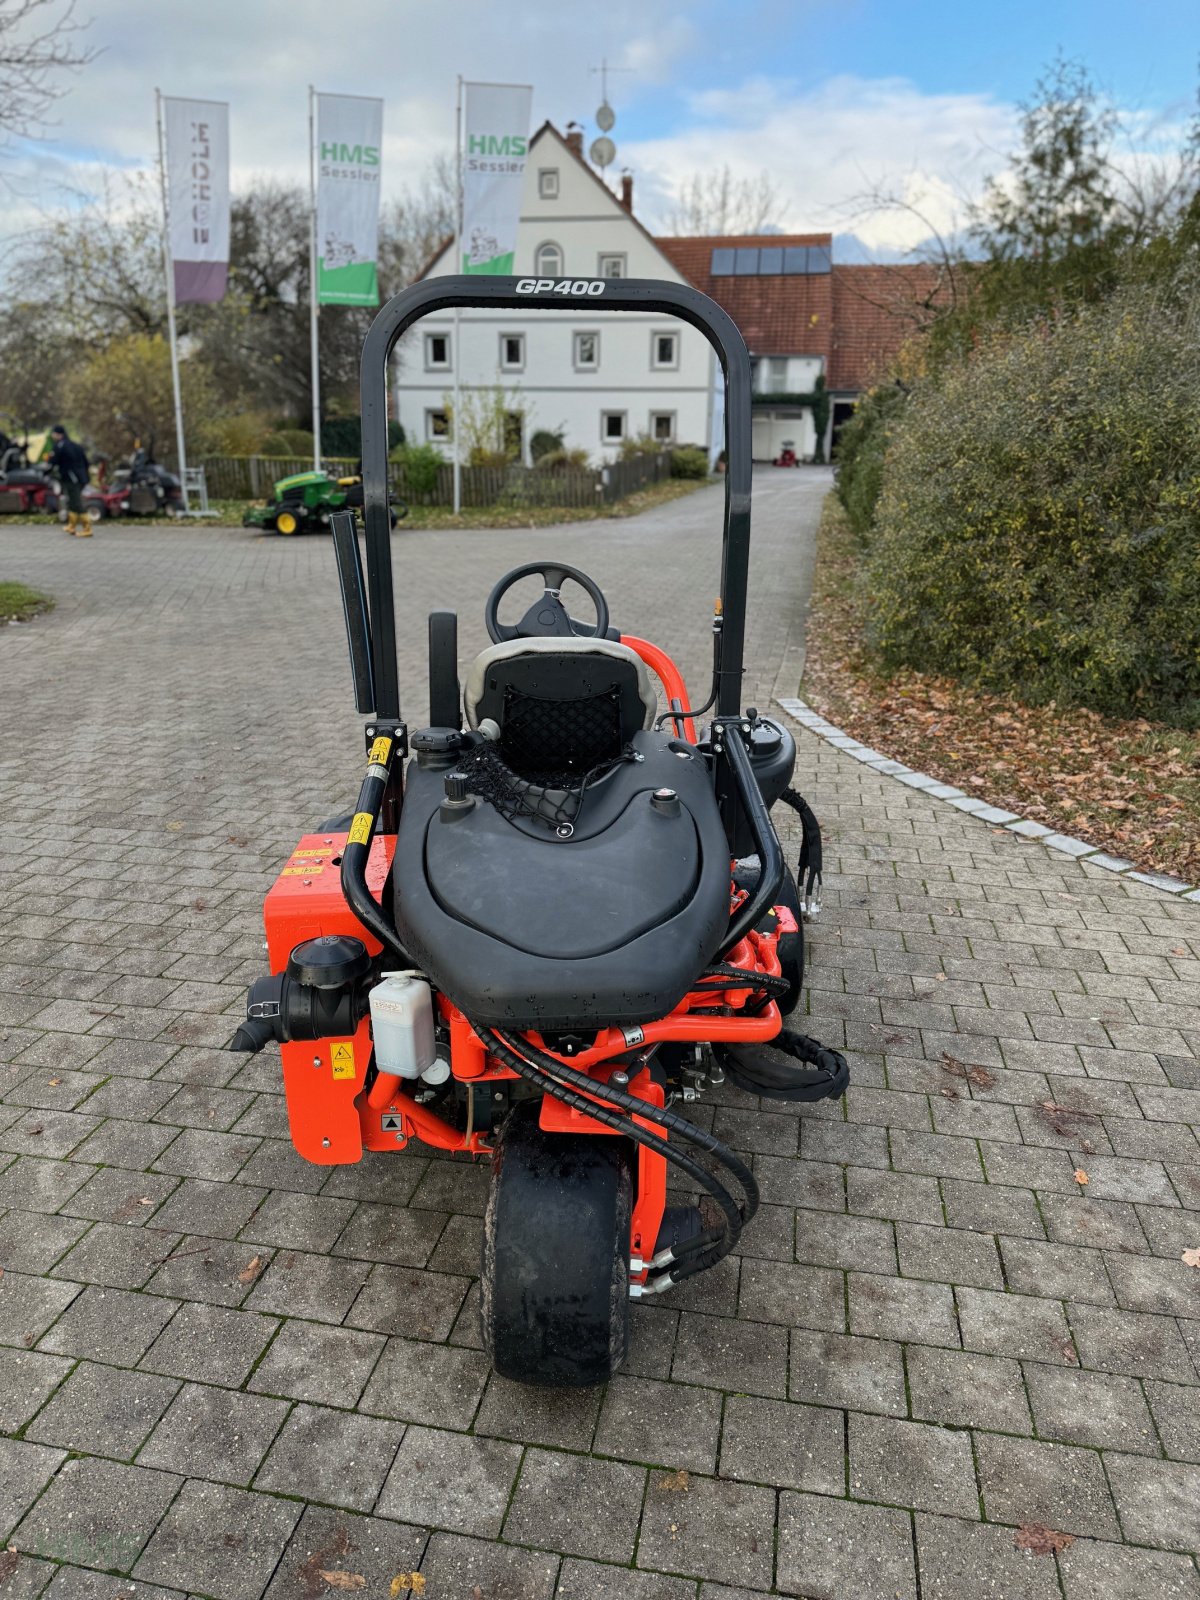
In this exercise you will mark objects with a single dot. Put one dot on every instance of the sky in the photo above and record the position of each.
(837, 100)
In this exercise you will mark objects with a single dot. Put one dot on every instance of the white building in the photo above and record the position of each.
(595, 379)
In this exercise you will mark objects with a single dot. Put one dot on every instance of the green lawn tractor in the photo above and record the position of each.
(304, 503)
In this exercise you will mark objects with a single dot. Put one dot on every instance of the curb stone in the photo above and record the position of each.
(1025, 827)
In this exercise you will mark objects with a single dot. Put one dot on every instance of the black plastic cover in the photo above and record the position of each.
(611, 925)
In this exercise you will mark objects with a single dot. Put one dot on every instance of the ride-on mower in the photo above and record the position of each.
(568, 915)
(306, 501)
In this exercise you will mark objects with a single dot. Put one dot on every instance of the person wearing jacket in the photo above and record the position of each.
(69, 460)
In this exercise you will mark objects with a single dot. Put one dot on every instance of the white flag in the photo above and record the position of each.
(495, 144)
(349, 136)
(197, 163)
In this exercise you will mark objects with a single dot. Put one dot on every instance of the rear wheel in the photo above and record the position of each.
(554, 1295)
(287, 522)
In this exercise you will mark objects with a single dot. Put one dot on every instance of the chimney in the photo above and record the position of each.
(575, 139)
(627, 191)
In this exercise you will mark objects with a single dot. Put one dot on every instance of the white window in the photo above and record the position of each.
(547, 183)
(437, 425)
(512, 352)
(548, 261)
(587, 352)
(613, 266)
(662, 427)
(777, 371)
(664, 350)
(612, 426)
(437, 351)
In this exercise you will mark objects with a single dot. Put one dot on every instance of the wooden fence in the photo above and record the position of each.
(252, 477)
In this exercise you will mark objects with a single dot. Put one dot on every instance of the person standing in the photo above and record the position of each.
(69, 460)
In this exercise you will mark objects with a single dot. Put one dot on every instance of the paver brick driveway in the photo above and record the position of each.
(227, 1373)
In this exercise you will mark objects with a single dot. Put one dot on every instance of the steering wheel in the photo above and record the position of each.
(546, 618)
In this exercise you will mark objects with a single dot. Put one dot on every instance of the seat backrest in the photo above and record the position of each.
(562, 705)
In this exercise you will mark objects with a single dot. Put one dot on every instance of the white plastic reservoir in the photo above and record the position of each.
(402, 1024)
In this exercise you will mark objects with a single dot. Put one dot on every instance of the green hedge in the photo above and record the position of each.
(1039, 525)
(861, 446)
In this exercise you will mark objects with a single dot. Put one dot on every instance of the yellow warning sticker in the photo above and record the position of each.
(360, 828)
(301, 855)
(380, 750)
(342, 1056)
(311, 870)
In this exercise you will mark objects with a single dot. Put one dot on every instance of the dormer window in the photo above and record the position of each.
(547, 183)
(548, 261)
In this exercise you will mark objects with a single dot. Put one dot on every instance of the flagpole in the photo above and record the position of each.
(169, 270)
(312, 279)
(457, 346)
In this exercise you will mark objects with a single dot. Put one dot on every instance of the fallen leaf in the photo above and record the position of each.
(1191, 1258)
(979, 1077)
(677, 1482)
(343, 1580)
(251, 1271)
(1178, 950)
(54, 1082)
(1081, 1176)
(1040, 1540)
(408, 1583)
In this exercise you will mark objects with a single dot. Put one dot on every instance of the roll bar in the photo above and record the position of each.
(547, 294)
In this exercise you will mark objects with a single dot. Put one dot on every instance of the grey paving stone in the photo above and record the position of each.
(577, 1505)
(109, 1325)
(254, 1530)
(1055, 1484)
(118, 1143)
(1104, 1224)
(332, 1456)
(591, 1580)
(562, 1418)
(213, 1210)
(832, 1549)
(47, 1133)
(1091, 1408)
(405, 1300)
(298, 1284)
(1159, 1501)
(454, 1564)
(419, 1382)
(750, 1357)
(1090, 1568)
(29, 1305)
(97, 1514)
(972, 1561)
(967, 1390)
(103, 1411)
(451, 1480)
(32, 1242)
(304, 1222)
(30, 1184)
(207, 1432)
(197, 1153)
(899, 1196)
(77, 1583)
(795, 1296)
(209, 1344)
(130, 1199)
(1177, 1413)
(911, 1464)
(708, 1528)
(309, 1361)
(220, 1272)
(784, 1445)
(992, 1208)
(116, 1254)
(1130, 1342)
(390, 1233)
(275, 1165)
(864, 1243)
(1144, 1283)
(1014, 1325)
(845, 1370)
(891, 1308)
(25, 1469)
(948, 1255)
(669, 1425)
(1059, 1271)
(27, 1379)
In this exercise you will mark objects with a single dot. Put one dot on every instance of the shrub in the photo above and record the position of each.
(1039, 526)
(288, 442)
(544, 443)
(558, 460)
(342, 436)
(421, 464)
(689, 461)
(641, 444)
(861, 446)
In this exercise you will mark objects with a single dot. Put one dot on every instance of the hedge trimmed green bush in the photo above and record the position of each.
(862, 443)
(689, 461)
(1039, 525)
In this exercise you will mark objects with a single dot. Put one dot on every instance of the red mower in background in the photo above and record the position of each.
(787, 456)
(567, 916)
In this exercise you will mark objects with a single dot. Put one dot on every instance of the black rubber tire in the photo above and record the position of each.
(554, 1289)
(791, 945)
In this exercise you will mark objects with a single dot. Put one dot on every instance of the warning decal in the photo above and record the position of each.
(360, 828)
(380, 751)
(391, 1120)
(342, 1056)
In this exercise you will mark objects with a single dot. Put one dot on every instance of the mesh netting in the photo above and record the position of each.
(543, 739)
(552, 797)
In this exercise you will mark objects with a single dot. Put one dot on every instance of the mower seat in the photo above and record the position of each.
(608, 921)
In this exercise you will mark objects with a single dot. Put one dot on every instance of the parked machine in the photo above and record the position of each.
(566, 917)
(139, 487)
(787, 456)
(25, 486)
(305, 502)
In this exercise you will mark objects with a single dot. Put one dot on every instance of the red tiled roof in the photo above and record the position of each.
(875, 310)
(777, 315)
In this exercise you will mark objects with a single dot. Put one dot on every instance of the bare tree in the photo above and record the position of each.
(39, 44)
(414, 225)
(715, 202)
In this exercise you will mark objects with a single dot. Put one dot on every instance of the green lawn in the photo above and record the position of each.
(18, 603)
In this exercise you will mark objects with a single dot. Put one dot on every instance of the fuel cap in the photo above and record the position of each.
(666, 801)
(330, 962)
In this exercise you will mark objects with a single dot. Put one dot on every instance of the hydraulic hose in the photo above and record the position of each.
(765, 891)
(357, 849)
